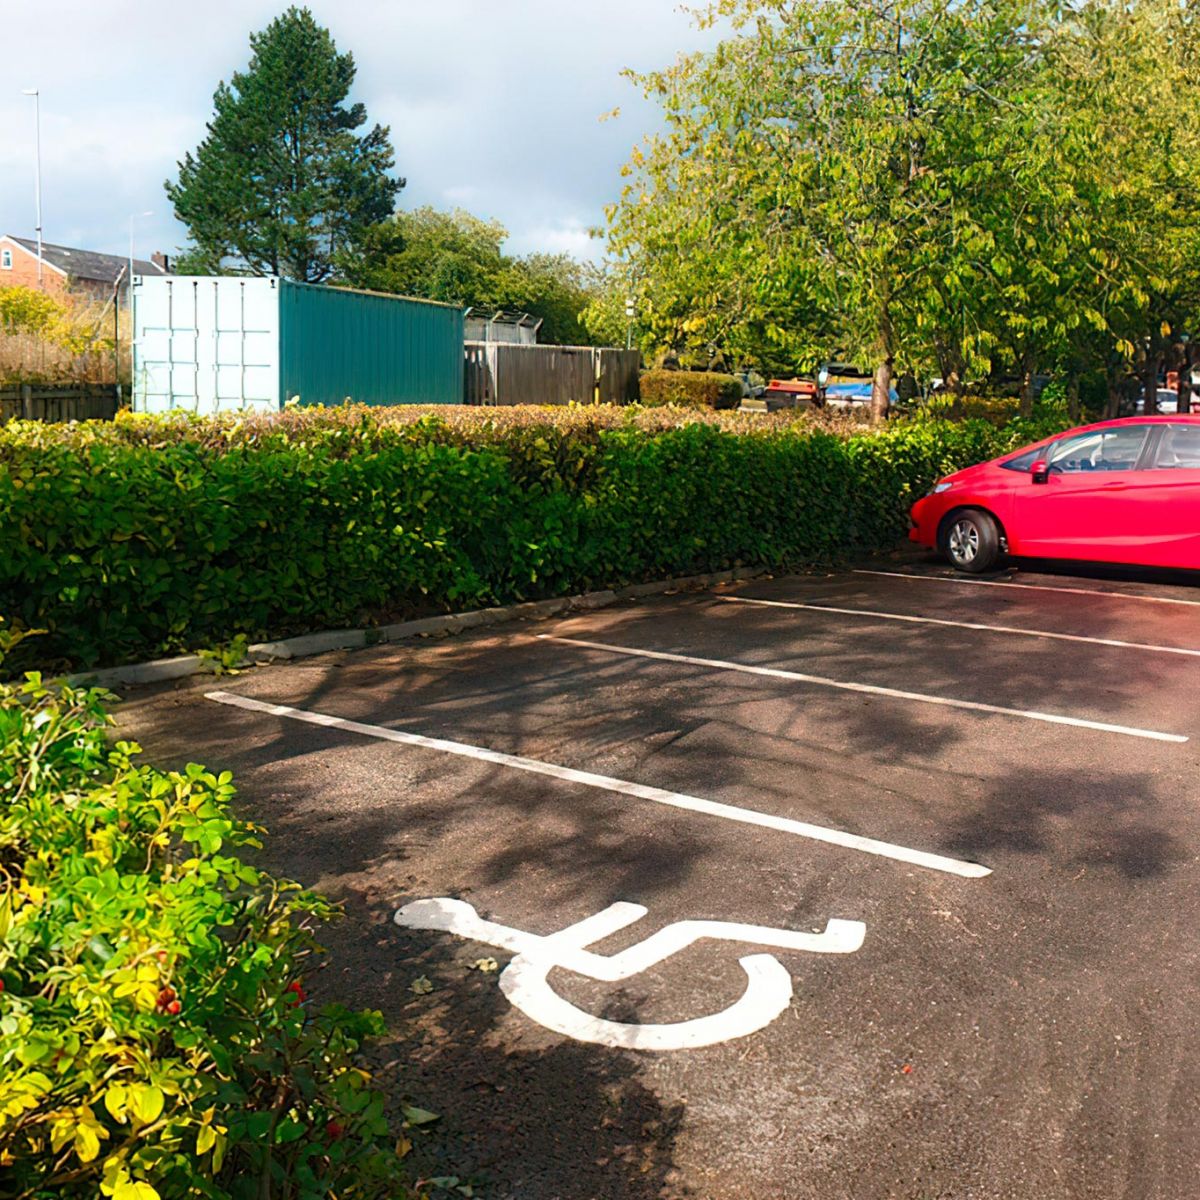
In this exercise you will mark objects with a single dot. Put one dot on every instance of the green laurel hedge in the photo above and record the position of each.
(156, 1040)
(691, 389)
(155, 535)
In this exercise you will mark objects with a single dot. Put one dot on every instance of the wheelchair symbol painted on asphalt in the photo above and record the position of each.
(768, 983)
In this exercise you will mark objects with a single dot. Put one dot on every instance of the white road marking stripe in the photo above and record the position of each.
(728, 812)
(1028, 587)
(1035, 633)
(872, 689)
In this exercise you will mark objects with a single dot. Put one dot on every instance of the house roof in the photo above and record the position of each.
(87, 264)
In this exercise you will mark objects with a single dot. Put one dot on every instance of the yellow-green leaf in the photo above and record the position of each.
(135, 1190)
(145, 1102)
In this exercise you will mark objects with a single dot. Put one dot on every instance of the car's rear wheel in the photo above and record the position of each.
(970, 539)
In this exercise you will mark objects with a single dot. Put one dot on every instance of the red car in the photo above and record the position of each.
(1125, 491)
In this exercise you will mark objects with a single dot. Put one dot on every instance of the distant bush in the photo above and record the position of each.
(54, 339)
(158, 534)
(155, 1036)
(690, 389)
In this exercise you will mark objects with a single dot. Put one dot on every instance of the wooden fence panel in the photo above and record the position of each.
(619, 370)
(30, 403)
(503, 373)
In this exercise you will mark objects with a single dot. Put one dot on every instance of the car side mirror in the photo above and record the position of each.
(1040, 471)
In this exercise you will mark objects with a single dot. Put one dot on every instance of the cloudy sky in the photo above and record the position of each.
(494, 105)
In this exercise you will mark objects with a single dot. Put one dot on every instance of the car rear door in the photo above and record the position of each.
(1096, 503)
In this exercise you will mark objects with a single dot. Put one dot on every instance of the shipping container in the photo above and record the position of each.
(209, 344)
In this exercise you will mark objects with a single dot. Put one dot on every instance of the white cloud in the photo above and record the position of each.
(494, 107)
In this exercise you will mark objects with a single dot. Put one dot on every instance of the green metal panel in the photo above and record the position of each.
(337, 345)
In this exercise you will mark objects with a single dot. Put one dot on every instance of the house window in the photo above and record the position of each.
(6, 259)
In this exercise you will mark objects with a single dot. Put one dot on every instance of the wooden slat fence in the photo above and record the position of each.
(502, 373)
(97, 402)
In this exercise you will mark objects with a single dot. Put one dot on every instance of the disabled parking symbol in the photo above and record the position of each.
(524, 981)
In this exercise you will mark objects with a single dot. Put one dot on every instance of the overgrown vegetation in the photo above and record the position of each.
(156, 1038)
(157, 534)
(45, 338)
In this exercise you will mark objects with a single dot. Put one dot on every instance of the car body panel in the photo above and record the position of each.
(1138, 511)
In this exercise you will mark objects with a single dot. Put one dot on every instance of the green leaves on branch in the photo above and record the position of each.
(156, 1040)
(966, 188)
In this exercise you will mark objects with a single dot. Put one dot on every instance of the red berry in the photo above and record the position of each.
(174, 1008)
(1, 985)
(335, 1129)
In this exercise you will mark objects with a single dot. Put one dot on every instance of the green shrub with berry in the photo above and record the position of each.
(155, 1036)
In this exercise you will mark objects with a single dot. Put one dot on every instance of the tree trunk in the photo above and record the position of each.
(1150, 382)
(1027, 390)
(881, 390)
(1184, 393)
(1073, 398)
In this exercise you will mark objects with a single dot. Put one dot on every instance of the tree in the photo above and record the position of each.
(815, 179)
(981, 189)
(283, 182)
(459, 258)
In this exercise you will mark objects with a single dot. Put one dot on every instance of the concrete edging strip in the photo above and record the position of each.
(164, 670)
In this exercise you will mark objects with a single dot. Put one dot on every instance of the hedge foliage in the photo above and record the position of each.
(691, 389)
(155, 1036)
(154, 535)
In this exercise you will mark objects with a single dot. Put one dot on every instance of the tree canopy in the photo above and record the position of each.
(963, 188)
(459, 258)
(283, 181)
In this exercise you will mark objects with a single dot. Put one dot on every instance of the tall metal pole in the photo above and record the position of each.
(37, 183)
(133, 217)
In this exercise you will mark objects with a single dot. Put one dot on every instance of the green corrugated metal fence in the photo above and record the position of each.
(337, 344)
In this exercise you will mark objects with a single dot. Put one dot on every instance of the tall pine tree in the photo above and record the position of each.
(283, 182)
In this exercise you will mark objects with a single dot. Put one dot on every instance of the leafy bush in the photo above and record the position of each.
(690, 389)
(155, 1037)
(152, 535)
(53, 339)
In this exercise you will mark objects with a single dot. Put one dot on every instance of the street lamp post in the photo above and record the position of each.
(630, 313)
(133, 217)
(37, 183)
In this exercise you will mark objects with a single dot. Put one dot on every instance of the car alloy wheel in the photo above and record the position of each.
(963, 542)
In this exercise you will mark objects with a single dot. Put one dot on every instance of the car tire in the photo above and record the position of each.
(970, 540)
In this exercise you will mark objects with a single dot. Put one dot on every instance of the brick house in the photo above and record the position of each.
(67, 270)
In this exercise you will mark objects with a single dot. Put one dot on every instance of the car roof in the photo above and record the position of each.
(1147, 419)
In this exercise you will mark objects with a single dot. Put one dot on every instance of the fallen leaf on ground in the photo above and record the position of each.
(485, 965)
(421, 986)
(418, 1116)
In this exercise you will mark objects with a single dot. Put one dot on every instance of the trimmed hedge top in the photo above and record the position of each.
(152, 535)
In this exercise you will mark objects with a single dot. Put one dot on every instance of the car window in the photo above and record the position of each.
(1179, 448)
(1099, 450)
(1024, 461)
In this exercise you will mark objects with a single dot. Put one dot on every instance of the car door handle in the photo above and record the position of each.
(1112, 487)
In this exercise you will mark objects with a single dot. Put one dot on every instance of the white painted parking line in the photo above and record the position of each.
(871, 689)
(1034, 633)
(728, 812)
(1028, 587)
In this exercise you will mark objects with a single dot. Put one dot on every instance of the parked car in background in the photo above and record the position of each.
(1166, 401)
(1123, 491)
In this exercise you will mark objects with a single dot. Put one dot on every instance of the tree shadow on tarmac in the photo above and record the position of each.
(1110, 815)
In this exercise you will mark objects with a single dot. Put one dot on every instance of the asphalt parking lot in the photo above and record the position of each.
(959, 815)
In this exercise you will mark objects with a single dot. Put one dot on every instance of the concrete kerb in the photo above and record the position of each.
(164, 670)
